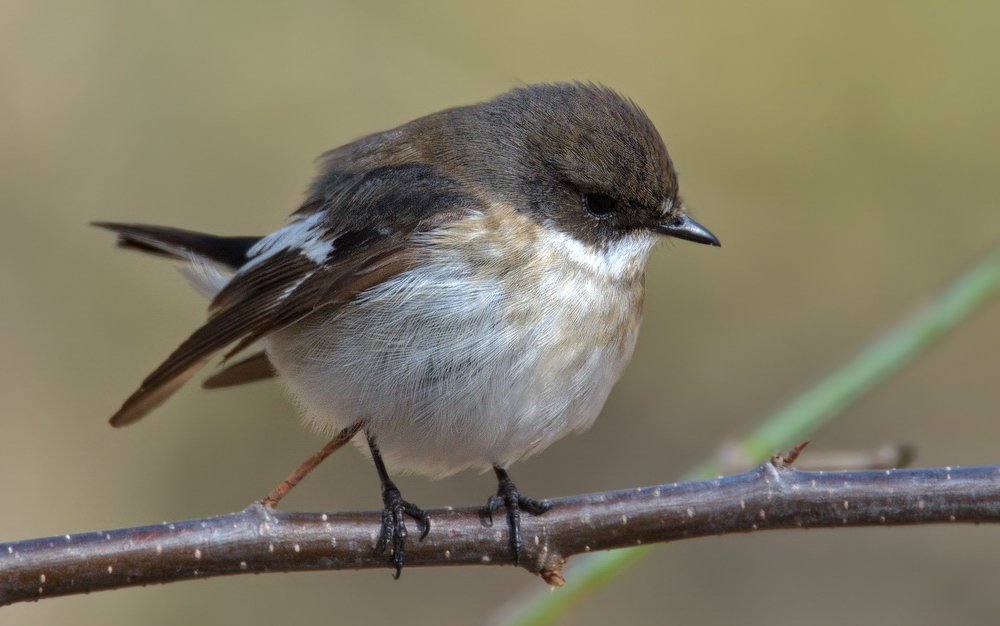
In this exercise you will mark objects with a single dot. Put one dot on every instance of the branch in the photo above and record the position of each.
(260, 539)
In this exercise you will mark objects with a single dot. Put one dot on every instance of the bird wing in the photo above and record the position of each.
(272, 294)
(249, 370)
(354, 231)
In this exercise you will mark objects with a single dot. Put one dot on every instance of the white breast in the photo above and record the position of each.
(484, 355)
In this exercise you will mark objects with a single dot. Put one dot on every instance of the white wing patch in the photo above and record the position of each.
(303, 234)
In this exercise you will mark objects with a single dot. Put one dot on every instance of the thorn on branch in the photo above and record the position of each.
(552, 578)
(785, 461)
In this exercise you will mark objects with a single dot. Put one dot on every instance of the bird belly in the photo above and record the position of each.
(482, 354)
(456, 368)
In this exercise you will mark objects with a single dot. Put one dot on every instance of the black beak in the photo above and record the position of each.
(683, 227)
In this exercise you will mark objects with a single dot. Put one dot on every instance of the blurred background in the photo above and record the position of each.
(846, 153)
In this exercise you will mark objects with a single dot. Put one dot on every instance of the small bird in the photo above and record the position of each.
(468, 286)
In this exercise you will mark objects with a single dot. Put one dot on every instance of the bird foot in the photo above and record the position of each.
(507, 496)
(394, 526)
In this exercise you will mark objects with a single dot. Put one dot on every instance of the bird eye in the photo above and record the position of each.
(599, 204)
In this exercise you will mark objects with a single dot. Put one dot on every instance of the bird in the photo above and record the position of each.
(468, 286)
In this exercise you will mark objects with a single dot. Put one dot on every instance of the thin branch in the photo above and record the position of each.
(259, 539)
(278, 493)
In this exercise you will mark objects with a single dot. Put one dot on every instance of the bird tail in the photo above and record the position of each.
(229, 252)
(212, 259)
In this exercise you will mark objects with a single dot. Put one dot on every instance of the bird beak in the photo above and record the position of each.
(683, 227)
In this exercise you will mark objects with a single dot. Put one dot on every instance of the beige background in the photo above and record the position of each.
(845, 152)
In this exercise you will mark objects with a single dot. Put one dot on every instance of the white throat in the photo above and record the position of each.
(615, 260)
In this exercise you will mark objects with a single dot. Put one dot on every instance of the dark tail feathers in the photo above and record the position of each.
(176, 243)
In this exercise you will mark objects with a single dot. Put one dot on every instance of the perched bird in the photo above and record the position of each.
(469, 284)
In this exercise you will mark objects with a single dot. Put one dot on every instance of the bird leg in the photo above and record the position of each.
(395, 507)
(508, 497)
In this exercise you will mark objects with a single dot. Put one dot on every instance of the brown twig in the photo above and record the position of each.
(259, 539)
(886, 456)
(272, 499)
(785, 460)
(732, 458)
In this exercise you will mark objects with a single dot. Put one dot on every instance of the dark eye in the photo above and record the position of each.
(599, 204)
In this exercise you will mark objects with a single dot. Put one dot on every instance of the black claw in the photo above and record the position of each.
(508, 497)
(420, 516)
(385, 533)
(394, 526)
(394, 515)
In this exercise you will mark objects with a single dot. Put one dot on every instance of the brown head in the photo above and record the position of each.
(576, 156)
